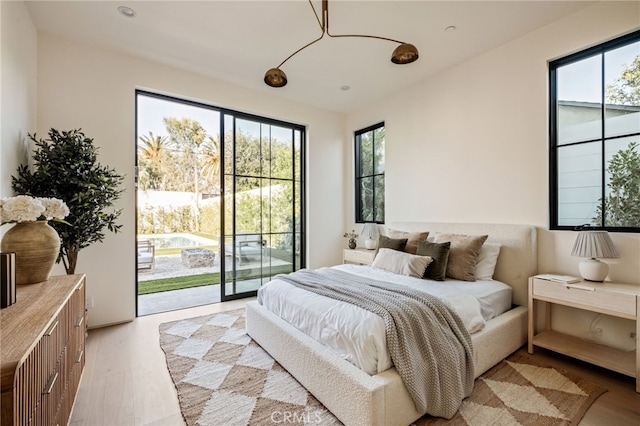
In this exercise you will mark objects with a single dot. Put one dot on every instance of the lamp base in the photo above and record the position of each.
(593, 270)
(369, 244)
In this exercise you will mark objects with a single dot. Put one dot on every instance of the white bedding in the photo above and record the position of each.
(357, 334)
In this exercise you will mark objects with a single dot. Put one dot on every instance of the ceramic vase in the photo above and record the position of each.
(352, 243)
(36, 245)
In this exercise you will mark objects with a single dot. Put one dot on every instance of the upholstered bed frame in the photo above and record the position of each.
(357, 398)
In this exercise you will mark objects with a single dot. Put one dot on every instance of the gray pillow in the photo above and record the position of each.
(439, 252)
(463, 255)
(391, 243)
(413, 238)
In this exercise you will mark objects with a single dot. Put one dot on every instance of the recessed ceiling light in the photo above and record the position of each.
(345, 87)
(450, 28)
(127, 11)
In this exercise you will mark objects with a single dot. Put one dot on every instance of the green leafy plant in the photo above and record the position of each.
(622, 203)
(66, 167)
(351, 235)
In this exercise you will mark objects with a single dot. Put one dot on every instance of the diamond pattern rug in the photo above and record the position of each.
(224, 378)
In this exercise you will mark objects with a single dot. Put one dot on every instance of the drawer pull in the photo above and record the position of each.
(49, 331)
(49, 386)
(79, 321)
(579, 287)
(79, 356)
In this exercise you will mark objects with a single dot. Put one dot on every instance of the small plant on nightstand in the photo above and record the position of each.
(352, 236)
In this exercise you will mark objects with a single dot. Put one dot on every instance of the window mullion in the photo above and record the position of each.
(602, 143)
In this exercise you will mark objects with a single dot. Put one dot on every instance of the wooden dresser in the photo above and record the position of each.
(42, 341)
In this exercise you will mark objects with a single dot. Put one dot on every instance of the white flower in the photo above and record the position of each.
(54, 208)
(24, 208)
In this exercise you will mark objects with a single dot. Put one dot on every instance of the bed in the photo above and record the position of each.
(356, 397)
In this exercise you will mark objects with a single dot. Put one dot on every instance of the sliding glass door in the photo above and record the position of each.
(262, 203)
(219, 202)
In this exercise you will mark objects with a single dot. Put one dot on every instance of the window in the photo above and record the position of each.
(370, 174)
(594, 150)
(225, 181)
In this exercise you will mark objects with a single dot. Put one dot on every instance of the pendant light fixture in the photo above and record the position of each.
(404, 54)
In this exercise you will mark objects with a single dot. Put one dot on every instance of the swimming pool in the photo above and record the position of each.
(178, 240)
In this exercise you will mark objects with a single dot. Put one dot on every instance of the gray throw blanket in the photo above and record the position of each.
(428, 343)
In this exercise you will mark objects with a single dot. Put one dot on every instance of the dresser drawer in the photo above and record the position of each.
(592, 296)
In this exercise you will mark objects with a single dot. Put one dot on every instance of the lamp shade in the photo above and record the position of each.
(406, 53)
(594, 244)
(275, 77)
(370, 232)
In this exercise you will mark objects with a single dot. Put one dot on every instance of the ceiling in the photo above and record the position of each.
(237, 41)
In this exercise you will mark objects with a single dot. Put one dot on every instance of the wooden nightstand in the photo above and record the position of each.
(359, 255)
(619, 300)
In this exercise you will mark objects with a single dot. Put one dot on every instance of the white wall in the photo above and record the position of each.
(18, 89)
(81, 86)
(471, 144)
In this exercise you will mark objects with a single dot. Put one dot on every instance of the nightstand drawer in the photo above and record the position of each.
(358, 256)
(592, 296)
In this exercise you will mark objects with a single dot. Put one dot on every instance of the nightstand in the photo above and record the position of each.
(619, 300)
(358, 255)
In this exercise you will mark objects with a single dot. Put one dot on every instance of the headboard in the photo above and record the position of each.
(518, 259)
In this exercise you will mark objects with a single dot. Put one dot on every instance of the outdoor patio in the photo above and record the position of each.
(170, 266)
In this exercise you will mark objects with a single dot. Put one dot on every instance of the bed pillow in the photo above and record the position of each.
(487, 260)
(391, 243)
(463, 254)
(413, 238)
(401, 263)
(439, 252)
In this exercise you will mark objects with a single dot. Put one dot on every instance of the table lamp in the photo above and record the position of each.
(370, 233)
(594, 245)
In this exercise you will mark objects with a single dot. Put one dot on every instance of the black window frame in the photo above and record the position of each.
(358, 177)
(600, 50)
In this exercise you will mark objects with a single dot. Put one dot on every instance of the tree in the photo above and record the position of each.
(188, 135)
(622, 203)
(66, 167)
(249, 155)
(153, 157)
(210, 153)
(625, 90)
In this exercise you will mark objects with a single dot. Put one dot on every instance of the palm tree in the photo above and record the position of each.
(152, 146)
(152, 152)
(210, 152)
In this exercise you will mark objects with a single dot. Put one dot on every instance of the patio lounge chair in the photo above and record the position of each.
(247, 245)
(146, 255)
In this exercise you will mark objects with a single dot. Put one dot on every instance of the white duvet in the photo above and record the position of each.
(357, 334)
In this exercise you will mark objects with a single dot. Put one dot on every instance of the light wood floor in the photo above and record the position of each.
(126, 382)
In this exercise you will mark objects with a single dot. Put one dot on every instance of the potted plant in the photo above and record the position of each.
(66, 167)
(353, 238)
(32, 240)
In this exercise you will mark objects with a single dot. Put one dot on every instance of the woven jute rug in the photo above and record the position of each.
(224, 378)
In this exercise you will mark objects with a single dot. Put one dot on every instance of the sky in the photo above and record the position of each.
(152, 110)
(572, 78)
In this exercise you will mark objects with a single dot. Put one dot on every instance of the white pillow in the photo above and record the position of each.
(487, 259)
(401, 263)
